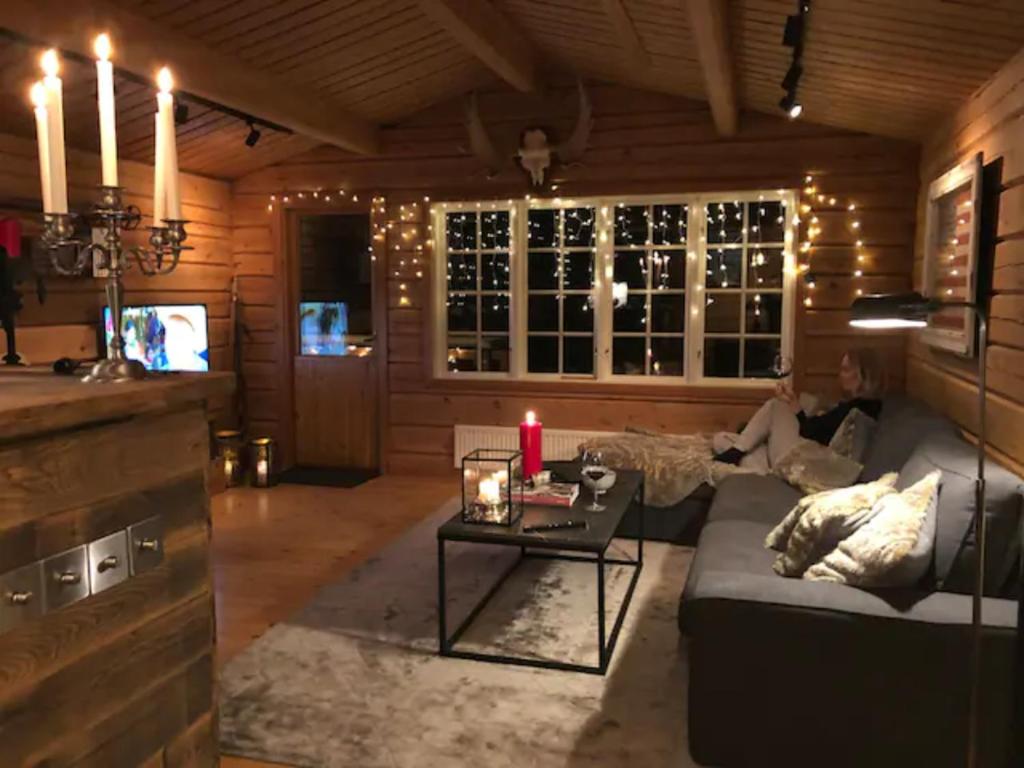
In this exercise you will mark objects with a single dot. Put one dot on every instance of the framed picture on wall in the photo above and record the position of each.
(951, 254)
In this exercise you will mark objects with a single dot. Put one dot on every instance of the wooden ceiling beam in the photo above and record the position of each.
(625, 30)
(484, 31)
(142, 46)
(710, 32)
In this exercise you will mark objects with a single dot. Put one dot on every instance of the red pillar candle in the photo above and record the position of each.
(530, 438)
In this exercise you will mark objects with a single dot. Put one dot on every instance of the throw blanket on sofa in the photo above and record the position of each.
(674, 465)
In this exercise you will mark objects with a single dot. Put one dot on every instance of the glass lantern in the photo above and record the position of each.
(229, 450)
(261, 461)
(492, 486)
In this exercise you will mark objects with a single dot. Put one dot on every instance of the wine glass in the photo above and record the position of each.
(597, 477)
(783, 366)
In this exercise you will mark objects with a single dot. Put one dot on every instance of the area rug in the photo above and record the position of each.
(354, 679)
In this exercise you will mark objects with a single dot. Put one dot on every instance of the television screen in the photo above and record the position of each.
(323, 327)
(167, 337)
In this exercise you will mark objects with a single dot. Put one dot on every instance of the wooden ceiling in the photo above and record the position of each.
(884, 67)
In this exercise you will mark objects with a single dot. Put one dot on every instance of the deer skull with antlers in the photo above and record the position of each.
(535, 154)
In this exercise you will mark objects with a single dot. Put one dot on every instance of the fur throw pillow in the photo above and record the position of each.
(854, 433)
(819, 522)
(892, 549)
(813, 467)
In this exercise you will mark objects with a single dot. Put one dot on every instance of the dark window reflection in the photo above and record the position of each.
(668, 313)
(494, 311)
(722, 313)
(764, 268)
(461, 229)
(579, 271)
(628, 355)
(631, 268)
(722, 358)
(462, 271)
(767, 222)
(668, 270)
(494, 229)
(630, 224)
(461, 353)
(462, 313)
(579, 227)
(723, 267)
(667, 356)
(542, 226)
(764, 313)
(494, 354)
(669, 225)
(578, 313)
(578, 352)
(542, 313)
(632, 316)
(495, 272)
(543, 271)
(542, 354)
(725, 222)
(759, 357)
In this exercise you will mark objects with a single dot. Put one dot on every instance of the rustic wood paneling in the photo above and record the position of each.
(989, 122)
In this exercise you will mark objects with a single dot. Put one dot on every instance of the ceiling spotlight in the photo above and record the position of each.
(253, 137)
(180, 113)
(793, 75)
(791, 106)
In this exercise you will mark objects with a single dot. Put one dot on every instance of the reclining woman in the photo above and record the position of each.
(781, 422)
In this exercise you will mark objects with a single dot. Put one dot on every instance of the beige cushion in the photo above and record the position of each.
(854, 434)
(813, 467)
(892, 549)
(818, 523)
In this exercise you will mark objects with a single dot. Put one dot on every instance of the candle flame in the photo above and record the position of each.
(165, 80)
(38, 95)
(50, 63)
(101, 46)
(531, 417)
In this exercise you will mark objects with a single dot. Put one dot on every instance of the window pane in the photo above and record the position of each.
(722, 313)
(667, 356)
(767, 221)
(579, 271)
(542, 354)
(725, 222)
(462, 312)
(543, 229)
(578, 315)
(669, 225)
(543, 269)
(723, 267)
(631, 268)
(764, 313)
(461, 353)
(578, 352)
(494, 353)
(631, 225)
(632, 316)
(495, 272)
(668, 313)
(494, 310)
(461, 231)
(579, 227)
(494, 229)
(759, 357)
(669, 270)
(543, 313)
(628, 356)
(722, 357)
(765, 268)
(462, 271)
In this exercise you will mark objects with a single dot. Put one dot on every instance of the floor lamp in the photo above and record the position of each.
(911, 310)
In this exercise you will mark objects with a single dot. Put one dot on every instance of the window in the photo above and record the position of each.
(668, 288)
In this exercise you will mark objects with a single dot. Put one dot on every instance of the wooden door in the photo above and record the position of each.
(336, 411)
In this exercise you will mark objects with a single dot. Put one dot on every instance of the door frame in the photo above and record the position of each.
(288, 291)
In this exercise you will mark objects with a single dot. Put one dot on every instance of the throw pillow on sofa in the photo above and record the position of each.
(813, 467)
(892, 549)
(821, 521)
(853, 435)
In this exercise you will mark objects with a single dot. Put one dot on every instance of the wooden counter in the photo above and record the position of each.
(106, 659)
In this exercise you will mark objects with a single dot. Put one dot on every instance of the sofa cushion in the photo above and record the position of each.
(954, 541)
(756, 498)
(902, 424)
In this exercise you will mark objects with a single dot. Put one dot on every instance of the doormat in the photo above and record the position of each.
(329, 476)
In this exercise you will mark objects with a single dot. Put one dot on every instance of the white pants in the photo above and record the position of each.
(768, 436)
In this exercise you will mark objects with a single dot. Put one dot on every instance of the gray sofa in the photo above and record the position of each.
(798, 673)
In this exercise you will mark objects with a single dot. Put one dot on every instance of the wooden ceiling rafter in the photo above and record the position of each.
(625, 30)
(711, 38)
(490, 36)
(142, 45)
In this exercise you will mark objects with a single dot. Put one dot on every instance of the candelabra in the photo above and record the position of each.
(113, 217)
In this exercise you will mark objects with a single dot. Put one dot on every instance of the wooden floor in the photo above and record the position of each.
(272, 549)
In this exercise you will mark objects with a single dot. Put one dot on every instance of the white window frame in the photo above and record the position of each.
(696, 250)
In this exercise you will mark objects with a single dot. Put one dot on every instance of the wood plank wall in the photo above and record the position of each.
(66, 324)
(641, 143)
(991, 122)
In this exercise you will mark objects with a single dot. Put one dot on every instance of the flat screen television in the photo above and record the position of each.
(163, 337)
(323, 327)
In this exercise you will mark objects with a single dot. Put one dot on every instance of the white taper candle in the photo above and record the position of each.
(159, 175)
(108, 122)
(43, 140)
(55, 121)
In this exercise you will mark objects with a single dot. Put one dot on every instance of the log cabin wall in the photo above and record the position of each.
(991, 122)
(641, 143)
(67, 322)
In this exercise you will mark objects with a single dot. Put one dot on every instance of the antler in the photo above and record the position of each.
(576, 144)
(480, 141)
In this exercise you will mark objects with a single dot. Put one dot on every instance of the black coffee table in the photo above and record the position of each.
(579, 545)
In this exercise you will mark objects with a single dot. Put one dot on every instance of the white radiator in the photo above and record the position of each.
(559, 444)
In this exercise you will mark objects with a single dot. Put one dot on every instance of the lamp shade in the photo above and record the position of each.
(892, 310)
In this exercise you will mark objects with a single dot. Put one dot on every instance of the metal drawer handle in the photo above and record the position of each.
(19, 598)
(108, 563)
(148, 545)
(68, 577)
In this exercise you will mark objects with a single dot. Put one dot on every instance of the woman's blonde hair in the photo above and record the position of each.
(868, 363)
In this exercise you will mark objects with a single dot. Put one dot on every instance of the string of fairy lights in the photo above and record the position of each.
(813, 201)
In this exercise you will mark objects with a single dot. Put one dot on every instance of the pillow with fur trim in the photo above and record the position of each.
(894, 548)
(813, 467)
(826, 520)
(853, 435)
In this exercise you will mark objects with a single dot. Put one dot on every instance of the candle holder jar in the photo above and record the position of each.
(492, 487)
(261, 462)
(229, 451)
